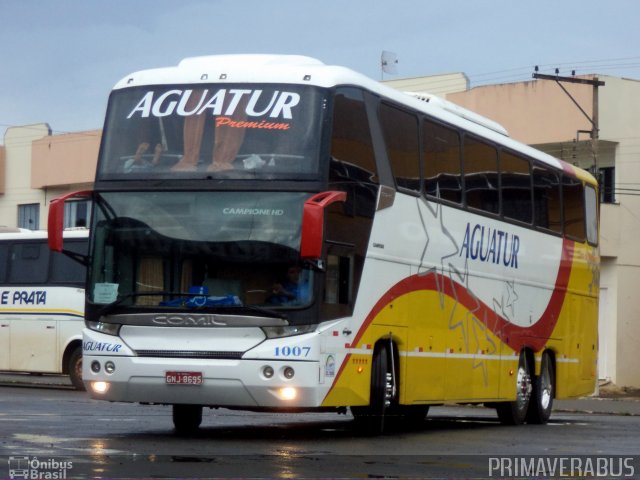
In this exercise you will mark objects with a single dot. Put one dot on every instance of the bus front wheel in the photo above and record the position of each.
(75, 368)
(514, 413)
(187, 418)
(371, 419)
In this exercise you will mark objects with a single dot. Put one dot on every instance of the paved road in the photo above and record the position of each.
(115, 440)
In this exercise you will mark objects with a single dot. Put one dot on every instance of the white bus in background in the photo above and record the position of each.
(41, 303)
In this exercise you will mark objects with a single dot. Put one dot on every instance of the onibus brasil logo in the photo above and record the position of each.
(31, 468)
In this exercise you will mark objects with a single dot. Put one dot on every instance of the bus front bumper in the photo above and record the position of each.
(217, 383)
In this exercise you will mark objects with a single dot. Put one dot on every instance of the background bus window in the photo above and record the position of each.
(547, 200)
(573, 208)
(481, 175)
(29, 263)
(65, 270)
(4, 255)
(400, 130)
(441, 147)
(515, 189)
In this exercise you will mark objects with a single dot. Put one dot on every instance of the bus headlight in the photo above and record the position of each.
(102, 327)
(288, 393)
(99, 387)
(288, 331)
(109, 367)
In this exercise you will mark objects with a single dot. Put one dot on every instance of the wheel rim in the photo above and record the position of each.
(523, 386)
(546, 388)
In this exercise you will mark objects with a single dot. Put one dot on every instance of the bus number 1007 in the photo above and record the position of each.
(292, 351)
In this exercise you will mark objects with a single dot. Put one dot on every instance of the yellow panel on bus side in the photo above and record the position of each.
(576, 359)
(353, 384)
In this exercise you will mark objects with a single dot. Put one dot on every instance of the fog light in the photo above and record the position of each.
(288, 393)
(267, 372)
(100, 387)
(289, 373)
(109, 367)
(95, 366)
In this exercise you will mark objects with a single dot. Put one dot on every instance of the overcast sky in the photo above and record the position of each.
(60, 58)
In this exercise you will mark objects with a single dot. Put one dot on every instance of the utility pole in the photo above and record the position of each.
(595, 83)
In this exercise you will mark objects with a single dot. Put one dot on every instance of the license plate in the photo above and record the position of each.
(183, 378)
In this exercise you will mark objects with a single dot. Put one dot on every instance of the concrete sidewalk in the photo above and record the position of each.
(599, 405)
(42, 380)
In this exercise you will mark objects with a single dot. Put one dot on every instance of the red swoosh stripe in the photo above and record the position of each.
(534, 336)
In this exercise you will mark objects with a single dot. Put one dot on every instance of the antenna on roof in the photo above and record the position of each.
(388, 63)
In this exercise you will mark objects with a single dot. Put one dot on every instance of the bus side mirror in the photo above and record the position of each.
(55, 221)
(312, 237)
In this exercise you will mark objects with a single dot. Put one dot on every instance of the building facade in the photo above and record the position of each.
(36, 167)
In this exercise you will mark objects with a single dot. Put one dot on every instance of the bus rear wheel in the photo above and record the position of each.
(543, 392)
(74, 367)
(187, 418)
(514, 413)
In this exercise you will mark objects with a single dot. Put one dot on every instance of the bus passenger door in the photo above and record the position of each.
(425, 358)
(34, 342)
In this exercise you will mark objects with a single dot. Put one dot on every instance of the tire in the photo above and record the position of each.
(541, 402)
(74, 367)
(515, 413)
(371, 419)
(187, 418)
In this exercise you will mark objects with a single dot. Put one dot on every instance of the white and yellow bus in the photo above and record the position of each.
(41, 304)
(272, 233)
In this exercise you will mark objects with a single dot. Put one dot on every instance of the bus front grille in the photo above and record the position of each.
(189, 354)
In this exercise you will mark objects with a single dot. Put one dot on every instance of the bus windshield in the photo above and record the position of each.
(210, 131)
(199, 249)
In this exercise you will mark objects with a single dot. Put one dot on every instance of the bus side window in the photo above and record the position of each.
(348, 225)
(547, 199)
(65, 270)
(481, 175)
(29, 263)
(338, 289)
(573, 208)
(442, 173)
(401, 136)
(353, 166)
(4, 256)
(515, 181)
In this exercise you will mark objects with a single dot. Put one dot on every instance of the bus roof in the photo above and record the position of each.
(303, 70)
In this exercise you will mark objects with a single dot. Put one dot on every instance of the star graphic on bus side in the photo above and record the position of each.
(440, 243)
(475, 332)
(506, 305)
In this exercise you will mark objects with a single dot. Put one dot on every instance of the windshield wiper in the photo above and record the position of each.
(191, 302)
(110, 306)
